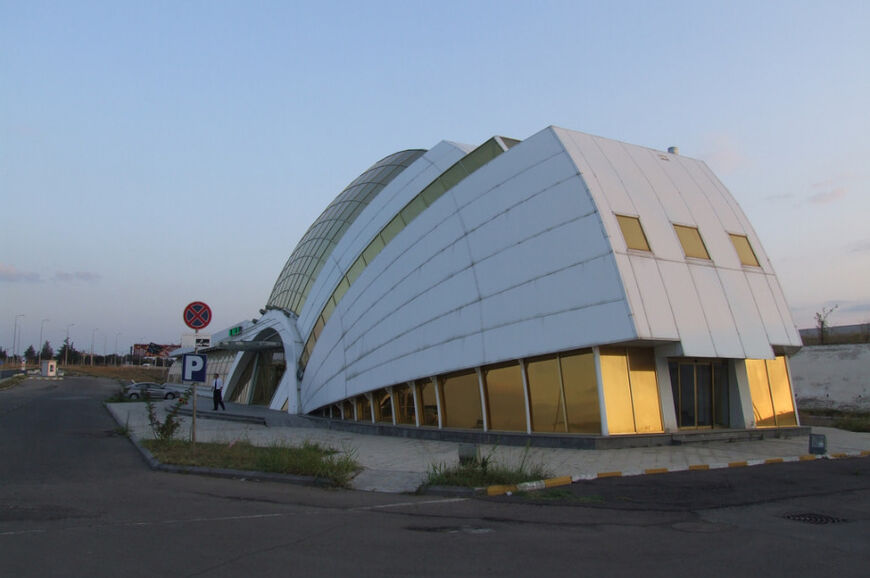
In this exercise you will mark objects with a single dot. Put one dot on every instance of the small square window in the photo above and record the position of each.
(744, 250)
(633, 233)
(690, 239)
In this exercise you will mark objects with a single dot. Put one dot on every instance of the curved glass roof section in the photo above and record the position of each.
(299, 273)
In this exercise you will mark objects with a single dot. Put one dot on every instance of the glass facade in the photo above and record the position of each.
(770, 388)
(701, 392)
(403, 401)
(460, 400)
(631, 393)
(505, 398)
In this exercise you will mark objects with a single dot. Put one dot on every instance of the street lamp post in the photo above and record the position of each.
(66, 349)
(41, 327)
(15, 335)
(115, 353)
(93, 334)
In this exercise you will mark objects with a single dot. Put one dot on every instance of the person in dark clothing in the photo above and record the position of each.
(218, 390)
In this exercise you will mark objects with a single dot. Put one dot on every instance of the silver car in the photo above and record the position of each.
(152, 390)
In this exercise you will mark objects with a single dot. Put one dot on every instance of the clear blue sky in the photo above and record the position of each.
(157, 153)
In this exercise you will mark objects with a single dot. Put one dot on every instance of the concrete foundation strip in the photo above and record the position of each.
(499, 490)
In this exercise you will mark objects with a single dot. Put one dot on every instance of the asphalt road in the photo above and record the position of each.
(76, 499)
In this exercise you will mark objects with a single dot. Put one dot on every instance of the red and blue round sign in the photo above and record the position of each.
(197, 315)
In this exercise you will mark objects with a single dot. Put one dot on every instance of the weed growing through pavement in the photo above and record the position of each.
(484, 471)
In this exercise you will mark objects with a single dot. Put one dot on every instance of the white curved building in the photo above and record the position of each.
(566, 283)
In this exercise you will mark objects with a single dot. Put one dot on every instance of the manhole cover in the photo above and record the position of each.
(450, 529)
(813, 518)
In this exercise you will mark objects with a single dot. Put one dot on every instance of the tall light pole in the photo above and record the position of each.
(66, 349)
(15, 335)
(115, 354)
(93, 334)
(41, 326)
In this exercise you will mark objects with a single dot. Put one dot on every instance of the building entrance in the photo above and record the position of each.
(701, 392)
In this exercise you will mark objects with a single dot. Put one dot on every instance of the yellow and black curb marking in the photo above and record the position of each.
(567, 480)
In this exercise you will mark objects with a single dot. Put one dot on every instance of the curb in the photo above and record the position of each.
(499, 490)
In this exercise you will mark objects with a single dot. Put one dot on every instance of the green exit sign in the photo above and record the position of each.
(235, 331)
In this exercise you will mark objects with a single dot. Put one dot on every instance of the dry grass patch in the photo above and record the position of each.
(311, 459)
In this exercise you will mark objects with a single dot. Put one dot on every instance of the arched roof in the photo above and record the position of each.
(298, 275)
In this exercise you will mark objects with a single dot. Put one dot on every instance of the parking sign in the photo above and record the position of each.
(193, 367)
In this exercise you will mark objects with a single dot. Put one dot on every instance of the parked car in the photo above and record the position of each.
(152, 390)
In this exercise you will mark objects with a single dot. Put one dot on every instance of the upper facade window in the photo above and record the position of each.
(690, 239)
(633, 233)
(744, 250)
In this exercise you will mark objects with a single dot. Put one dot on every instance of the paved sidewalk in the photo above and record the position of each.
(396, 465)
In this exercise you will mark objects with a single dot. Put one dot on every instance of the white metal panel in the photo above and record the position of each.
(746, 315)
(656, 306)
(584, 285)
(652, 164)
(534, 257)
(764, 299)
(513, 164)
(717, 311)
(497, 191)
(715, 193)
(599, 174)
(646, 205)
(688, 313)
(792, 335)
(553, 207)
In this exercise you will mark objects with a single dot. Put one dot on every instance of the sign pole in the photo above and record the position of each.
(197, 315)
(193, 423)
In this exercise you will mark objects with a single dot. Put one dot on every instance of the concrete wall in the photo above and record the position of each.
(832, 376)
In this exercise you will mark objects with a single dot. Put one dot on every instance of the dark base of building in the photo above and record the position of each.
(567, 441)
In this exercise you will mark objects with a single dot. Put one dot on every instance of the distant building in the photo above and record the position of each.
(566, 283)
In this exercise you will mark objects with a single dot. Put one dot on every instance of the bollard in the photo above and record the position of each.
(818, 444)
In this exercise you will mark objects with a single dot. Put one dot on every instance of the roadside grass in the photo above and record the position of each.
(123, 373)
(12, 381)
(483, 472)
(311, 459)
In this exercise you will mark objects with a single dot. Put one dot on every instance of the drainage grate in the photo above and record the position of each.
(812, 518)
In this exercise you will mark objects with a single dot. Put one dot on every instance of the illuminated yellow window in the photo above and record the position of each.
(633, 233)
(690, 239)
(460, 396)
(744, 249)
(505, 398)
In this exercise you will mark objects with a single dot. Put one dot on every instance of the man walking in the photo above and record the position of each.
(218, 388)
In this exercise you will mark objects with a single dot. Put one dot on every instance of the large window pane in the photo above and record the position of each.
(363, 409)
(403, 399)
(644, 390)
(383, 406)
(704, 389)
(744, 250)
(505, 399)
(780, 392)
(548, 411)
(722, 395)
(581, 392)
(428, 402)
(632, 232)
(759, 389)
(617, 391)
(691, 241)
(687, 395)
(460, 394)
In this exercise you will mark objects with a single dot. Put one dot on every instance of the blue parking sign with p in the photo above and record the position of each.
(193, 367)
